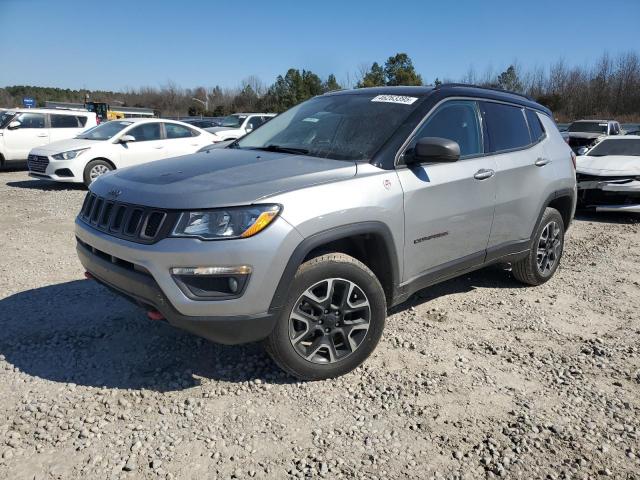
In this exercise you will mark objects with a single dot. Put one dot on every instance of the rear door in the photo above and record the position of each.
(182, 140)
(448, 207)
(65, 126)
(33, 132)
(524, 173)
(148, 146)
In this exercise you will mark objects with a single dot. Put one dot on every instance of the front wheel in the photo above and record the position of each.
(333, 319)
(94, 169)
(546, 250)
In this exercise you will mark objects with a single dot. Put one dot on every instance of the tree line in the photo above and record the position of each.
(609, 87)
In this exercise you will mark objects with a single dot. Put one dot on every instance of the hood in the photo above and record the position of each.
(69, 144)
(585, 135)
(610, 165)
(219, 178)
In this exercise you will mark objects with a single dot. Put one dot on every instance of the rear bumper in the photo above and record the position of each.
(143, 290)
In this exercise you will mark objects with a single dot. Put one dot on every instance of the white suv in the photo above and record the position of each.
(115, 144)
(24, 129)
(238, 125)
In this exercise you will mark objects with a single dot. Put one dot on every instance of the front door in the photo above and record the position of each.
(31, 133)
(448, 207)
(149, 145)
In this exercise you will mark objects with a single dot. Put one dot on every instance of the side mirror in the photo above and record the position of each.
(433, 149)
(248, 129)
(127, 139)
(14, 125)
(583, 150)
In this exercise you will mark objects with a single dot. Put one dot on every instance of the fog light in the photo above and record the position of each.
(211, 283)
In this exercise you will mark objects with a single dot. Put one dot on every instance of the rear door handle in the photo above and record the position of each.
(158, 148)
(541, 162)
(484, 173)
(43, 135)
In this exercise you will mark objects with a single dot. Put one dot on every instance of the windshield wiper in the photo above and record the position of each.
(280, 148)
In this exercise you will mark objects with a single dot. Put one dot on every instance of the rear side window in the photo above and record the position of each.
(178, 131)
(457, 120)
(535, 126)
(64, 121)
(146, 131)
(506, 127)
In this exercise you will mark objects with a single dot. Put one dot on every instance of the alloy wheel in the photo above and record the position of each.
(329, 321)
(97, 170)
(549, 248)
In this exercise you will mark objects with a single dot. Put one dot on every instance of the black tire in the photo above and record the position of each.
(1, 162)
(95, 164)
(548, 252)
(343, 271)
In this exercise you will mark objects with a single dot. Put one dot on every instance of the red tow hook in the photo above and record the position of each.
(88, 276)
(155, 315)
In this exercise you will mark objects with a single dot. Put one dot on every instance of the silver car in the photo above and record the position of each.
(306, 231)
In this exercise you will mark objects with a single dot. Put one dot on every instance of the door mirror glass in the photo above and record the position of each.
(127, 139)
(583, 150)
(433, 150)
(14, 125)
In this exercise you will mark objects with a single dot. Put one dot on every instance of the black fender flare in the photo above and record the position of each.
(565, 192)
(316, 240)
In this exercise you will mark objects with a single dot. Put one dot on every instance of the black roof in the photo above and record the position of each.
(449, 90)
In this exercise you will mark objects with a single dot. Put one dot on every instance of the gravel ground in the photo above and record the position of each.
(474, 378)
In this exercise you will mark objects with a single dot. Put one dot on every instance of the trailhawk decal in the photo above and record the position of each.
(430, 237)
(394, 99)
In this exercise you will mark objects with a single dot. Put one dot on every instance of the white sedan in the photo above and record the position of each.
(112, 145)
(609, 175)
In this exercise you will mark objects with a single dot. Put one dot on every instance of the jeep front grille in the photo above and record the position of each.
(131, 222)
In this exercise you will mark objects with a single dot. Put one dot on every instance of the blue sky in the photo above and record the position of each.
(115, 44)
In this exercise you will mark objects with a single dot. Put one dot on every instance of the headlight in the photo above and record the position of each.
(69, 154)
(222, 224)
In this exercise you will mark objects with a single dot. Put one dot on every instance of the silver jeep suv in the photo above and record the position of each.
(306, 231)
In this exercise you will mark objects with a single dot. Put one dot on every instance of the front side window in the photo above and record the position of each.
(177, 131)
(254, 122)
(535, 126)
(456, 120)
(30, 120)
(506, 127)
(342, 127)
(146, 132)
(104, 131)
(64, 121)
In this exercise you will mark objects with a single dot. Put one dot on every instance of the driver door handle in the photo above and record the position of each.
(484, 173)
(541, 162)
(43, 135)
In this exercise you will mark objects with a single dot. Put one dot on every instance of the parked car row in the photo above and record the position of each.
(67, 145)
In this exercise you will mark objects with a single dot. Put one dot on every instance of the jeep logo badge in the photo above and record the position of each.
(114, 193)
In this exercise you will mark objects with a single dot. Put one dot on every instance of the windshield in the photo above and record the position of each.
(341, 127)
(588, 127)
(104, 131)
(233, 121)
(624, 147)
(5, 118)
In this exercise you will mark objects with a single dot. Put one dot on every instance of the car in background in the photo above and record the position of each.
(609, 175)
(633, 132)
(238, 125)
(112, 145)
(203, 122)
(23, 129)
(584, 134)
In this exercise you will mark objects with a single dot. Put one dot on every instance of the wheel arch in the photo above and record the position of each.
(104, 159)
(563, 201)
(369, 242)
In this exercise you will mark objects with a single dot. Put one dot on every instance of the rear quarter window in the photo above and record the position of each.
(506, 127)
(535, 126)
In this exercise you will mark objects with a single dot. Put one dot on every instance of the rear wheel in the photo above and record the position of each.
(546, 250)
(333, 319)
(94, 169)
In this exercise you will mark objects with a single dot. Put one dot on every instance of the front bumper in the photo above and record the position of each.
(68, 171)
(144, 291)
(615, 195)
(147, 277)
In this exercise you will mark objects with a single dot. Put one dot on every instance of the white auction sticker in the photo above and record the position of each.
(394, 99)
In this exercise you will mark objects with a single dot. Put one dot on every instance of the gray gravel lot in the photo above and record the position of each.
(474, 378)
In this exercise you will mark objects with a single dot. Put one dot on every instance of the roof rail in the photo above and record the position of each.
(495, 89)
